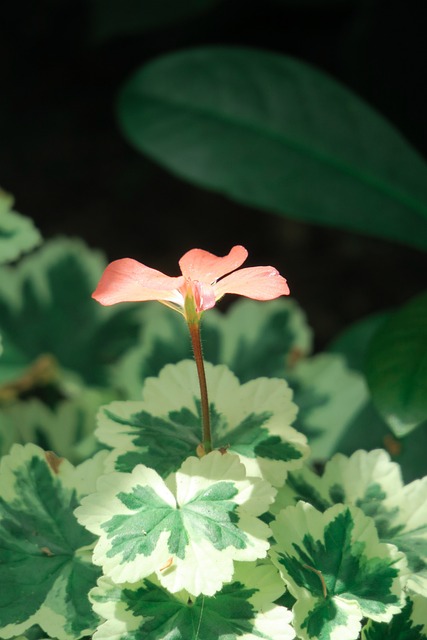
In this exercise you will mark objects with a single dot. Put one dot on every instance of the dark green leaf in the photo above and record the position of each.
(260, 127)
(396, 367)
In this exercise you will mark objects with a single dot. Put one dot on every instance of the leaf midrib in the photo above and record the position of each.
(368, 179)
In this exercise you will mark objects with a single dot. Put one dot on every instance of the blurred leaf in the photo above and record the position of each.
(329, 395)
(17, 233)
(50, 326)
(252, 339)
(115, 18)
(367, 430)
(353, 342)
(261, 128)
(396, 367)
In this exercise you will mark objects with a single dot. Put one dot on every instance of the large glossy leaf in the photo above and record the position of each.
(45, 561)
(396, 367)
(272, 132)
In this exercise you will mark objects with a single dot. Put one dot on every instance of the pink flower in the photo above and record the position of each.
(204, 280)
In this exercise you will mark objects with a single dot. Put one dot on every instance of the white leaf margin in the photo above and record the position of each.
(204, 568)
(273, 621)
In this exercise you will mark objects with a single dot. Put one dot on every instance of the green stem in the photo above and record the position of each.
(198, 357)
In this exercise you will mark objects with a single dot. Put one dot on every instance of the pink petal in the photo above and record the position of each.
(128, 280)
(258, 283)
(203, 266)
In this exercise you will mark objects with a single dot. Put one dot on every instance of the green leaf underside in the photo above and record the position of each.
(396, 367)
(204, 112)
(163, 443)
(211, 515)
(228, 613)
(339, 577)
(401, 627)
(40, 536)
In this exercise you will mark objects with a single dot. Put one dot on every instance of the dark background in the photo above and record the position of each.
(63, 157)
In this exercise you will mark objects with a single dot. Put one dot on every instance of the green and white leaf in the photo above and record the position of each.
(242, 609)
(328, 395)
(252, 339)
(188, 530)
(67, 429)
(45, 565)
(53, 288)
(372, 482)
(251, 419)
(409, 624)
(17, 232)
(337, 569)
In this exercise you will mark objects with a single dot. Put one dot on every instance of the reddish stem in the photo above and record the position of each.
(198, 357)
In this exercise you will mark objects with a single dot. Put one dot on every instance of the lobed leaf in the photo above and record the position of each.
(244, 608)
(373, 483)
(252, 420)
(409, 624)
(45, 566)
(188, 530)
(337, 569)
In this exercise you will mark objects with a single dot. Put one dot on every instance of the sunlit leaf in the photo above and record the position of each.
(337, 569)
(45, 565)
(409, 624)
(242, 609)
(188, 530)
(252, 420)
(373, 483)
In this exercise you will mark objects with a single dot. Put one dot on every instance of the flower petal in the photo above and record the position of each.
(203, 266)
(128, 280)
(258, 283)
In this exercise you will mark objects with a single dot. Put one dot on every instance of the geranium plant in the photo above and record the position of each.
(205, 475)
(200, 517)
